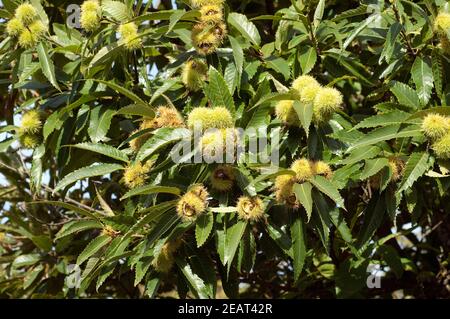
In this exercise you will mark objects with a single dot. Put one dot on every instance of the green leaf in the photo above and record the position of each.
(417, 165)
(161, 137)
(280, 65)
(122, 91)
(331, 215)
(385, 134)
(298, 243)
(305, 114)
(373, 166)
(389, 46)
(422, 75)
(152, 285)
(217, 91)
(238, 55)
(361, 154)
(106, 54)
(174, 18)
(47, 64)
(326, 187)
(26, 260)
(245, 27)
(31, 276)
(203, 266)
(107, 210)
(137, 109)
(116, 10)
(358, 30)
(272, 97)
(373, 218)
(93, 247)
(198, 286)
(151, 189)
(384, 119)
(86, 172)
(281, 238)
(442, 110)
(103, 149)
(167, 85)
(42, 242)
(438, 71)
(77, 226)
(233, 237)
(154, 213)
(141, 268)
(100, 123)
(318, 14)
(406, 95)
(303, 194)
(392, 258)
(67, 206)
(203, 228)
(307, 58)
(36, 168)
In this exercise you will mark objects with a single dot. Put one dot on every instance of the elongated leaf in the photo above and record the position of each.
(217, 91)
(298, 244)
(77, 226)
(116, 10)
(305, 114)
(303, 194)
(161, 138)
(318, 14)
(391, 38)
(245, 27)
(384, 119)
(326, 187)
(137, 109)
(422, 75)
(107, 210)
(307, 58)
(86, 172)
(203, 228)
(152, 214)
(385, 134)
(438, 71)
(361, 154)
(417, 165)
(406, 95)
(373, 217)
(36, 168)
(67, 206)
(104, 149)
(122, 91)
(93, 247)
(373, 166)
(281, 238)
(100, 123)
(233, 237)
(330, 214)
(47, 64)
(358, 30)
(31, 276)
(151, 189)
(106, 54)
(196, 283)
(238, 55)
(280, 65)
(443, 110)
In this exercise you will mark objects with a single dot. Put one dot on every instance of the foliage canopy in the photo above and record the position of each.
(94, 97)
